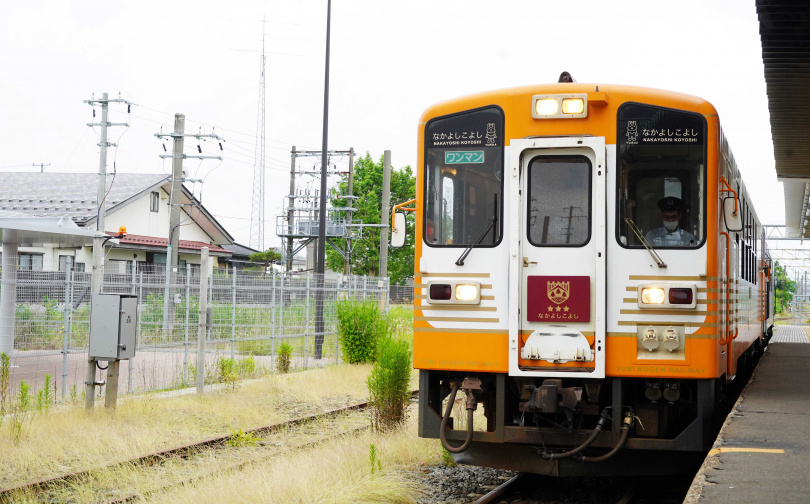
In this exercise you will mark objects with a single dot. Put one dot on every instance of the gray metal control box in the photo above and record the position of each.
(113, 323)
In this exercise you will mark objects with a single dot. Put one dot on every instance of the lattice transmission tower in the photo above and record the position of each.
(257, 207)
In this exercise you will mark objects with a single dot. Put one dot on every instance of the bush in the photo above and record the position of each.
(388, 383)
(284, 357)
(360, 325)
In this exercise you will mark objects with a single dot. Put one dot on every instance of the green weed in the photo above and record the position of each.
(5, 380)
(388, 384)
(240, 438)
(373, 459)
(360, 324)
(284, 357)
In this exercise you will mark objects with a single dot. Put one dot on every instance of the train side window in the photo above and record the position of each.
(661, 177)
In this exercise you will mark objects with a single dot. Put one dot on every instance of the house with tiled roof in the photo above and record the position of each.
(138, 202)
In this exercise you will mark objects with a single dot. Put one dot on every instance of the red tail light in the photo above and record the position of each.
(679, 295)
(440, 292)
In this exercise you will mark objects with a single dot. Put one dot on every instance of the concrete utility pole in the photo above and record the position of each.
(385, 219)
(41, 166)
(322, 216)
(347, 262)
(290, 212)
(173, 246)
(100, 237)
(202, 328)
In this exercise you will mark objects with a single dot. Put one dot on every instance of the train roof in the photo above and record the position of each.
(518, 97)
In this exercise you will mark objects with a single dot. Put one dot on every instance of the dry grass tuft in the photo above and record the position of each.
(335, 472)
(69, 439)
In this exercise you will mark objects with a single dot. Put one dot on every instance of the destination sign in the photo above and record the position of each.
(464, 157)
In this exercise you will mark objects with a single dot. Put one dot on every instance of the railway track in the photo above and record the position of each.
(195, 459)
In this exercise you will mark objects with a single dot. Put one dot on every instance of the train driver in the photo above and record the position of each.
(670, 234)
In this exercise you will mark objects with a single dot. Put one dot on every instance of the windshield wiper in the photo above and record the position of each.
(647, 245)
(489, 225)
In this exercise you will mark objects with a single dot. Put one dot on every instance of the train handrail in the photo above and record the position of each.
(724, 182)
(726, 338)
(401, 206)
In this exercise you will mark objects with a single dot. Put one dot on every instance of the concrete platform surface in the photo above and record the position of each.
(763, 451)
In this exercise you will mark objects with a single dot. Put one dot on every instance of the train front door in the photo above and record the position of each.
(558, 257)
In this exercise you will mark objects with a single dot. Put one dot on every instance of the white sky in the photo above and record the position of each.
(389, 62)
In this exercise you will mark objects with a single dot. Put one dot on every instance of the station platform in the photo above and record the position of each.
(763, 451)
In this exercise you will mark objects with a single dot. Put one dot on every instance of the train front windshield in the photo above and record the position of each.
(662, 176)
(464, 181)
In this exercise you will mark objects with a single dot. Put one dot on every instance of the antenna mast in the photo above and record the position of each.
(257, 208)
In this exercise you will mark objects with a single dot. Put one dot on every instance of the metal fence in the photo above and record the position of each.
(253, 314)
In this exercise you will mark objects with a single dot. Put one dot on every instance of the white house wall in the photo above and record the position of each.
(138, 220)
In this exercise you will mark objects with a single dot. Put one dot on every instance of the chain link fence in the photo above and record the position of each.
(252, 315)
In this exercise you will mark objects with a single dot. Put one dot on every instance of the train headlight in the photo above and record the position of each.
(669, 295)
(573, 105)
(453, 292)
(466, 292)
(546, 106)
(563, 106)
(652, 295)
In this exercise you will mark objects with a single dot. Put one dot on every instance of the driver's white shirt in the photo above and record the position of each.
(661, 237)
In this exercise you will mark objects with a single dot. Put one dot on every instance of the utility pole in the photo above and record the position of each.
(386, 201)
(347, 262)
(290, 212)
(319, 325)
(41, 166)
(173, 244)
(100, 236)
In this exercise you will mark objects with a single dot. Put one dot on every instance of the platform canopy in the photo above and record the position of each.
(37, 231)
(784, 27)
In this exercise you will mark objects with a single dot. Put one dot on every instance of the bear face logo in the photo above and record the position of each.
(632, 132)
(491, 136)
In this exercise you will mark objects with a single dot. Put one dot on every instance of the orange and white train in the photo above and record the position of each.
(589, 271)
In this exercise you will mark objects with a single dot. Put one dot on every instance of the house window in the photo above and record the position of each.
(154, 201)
(31, 262)
(63, 262)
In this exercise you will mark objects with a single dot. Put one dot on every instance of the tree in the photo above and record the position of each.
(367, 184)
(784, 288)
(267, 258)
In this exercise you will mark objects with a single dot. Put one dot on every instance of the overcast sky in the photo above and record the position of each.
(389, 62)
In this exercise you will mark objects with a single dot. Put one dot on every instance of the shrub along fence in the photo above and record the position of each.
(253, 315)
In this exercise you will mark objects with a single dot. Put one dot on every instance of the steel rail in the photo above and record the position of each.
(499, 490)
(231, 468)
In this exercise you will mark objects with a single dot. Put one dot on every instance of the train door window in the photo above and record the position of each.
(662, 170)
(463, 200)
(559, 201)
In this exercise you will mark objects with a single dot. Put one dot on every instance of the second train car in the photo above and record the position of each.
(589, 271)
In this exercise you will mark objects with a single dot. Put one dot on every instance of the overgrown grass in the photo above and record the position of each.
(68, 439)
(336, 472)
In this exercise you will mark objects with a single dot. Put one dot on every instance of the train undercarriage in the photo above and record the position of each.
(573, 427)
